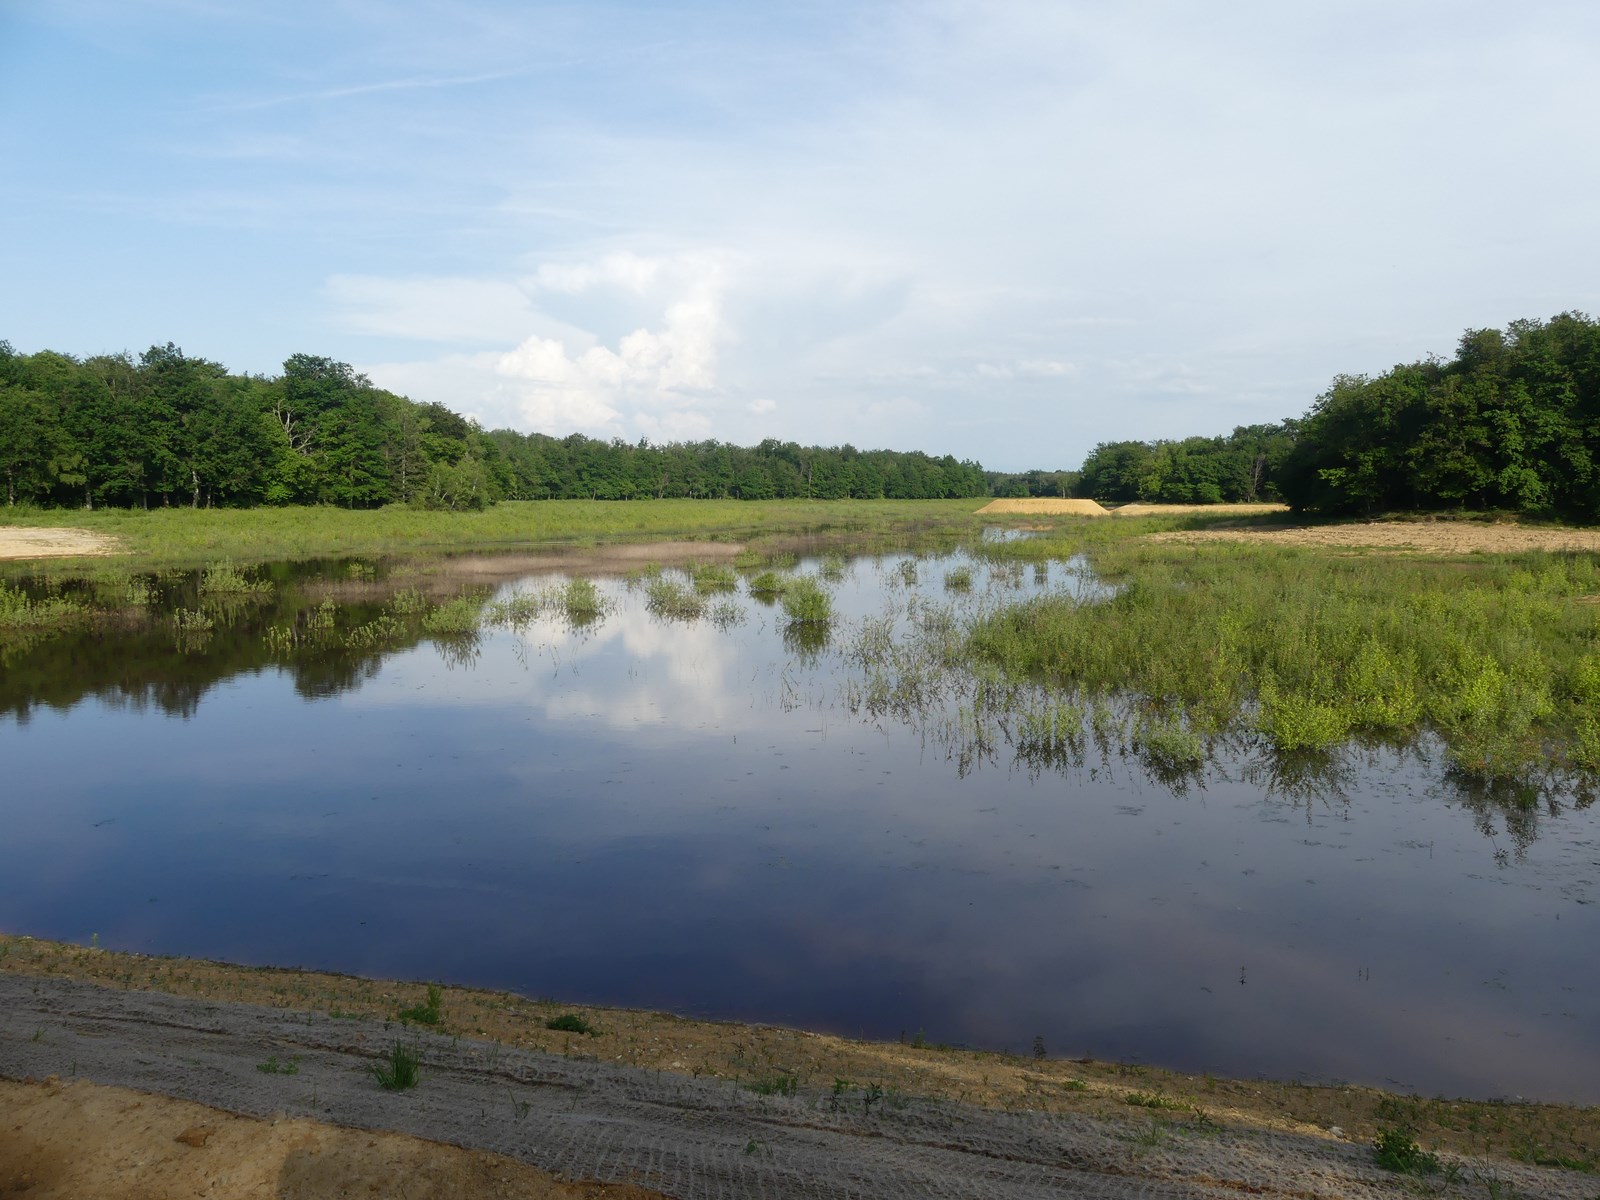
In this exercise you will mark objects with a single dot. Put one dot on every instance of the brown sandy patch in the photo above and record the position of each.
(662, 1042)
(1040, 504)
(1212, 510)
(64, 1141)
(16, 542)
(1407, 537)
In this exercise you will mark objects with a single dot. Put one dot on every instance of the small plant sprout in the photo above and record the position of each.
(275, 1066)
(430, 1011)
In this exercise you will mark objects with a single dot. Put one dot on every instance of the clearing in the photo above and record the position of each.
(53, 543)
(1407, 537)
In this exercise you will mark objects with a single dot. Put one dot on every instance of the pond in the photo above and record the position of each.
(726, 815)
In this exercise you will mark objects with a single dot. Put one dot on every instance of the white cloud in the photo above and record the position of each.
(762, 406)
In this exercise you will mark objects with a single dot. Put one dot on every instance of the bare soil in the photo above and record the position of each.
(64, 1141)
(1405, 537)
(53, 543)
(1040, 504)
(1182, 510)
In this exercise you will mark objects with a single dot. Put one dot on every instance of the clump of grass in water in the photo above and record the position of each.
(907, 572)
(726, 614)
(19, 611)
(401, 1070)
(747, 560)
(462, 615)
(667, 598)
(832, 568)
(712, 578)
(807, 602)
(192, 629)
(580, 600)
(959, 579)
(768, 583)
(407, 602)
(373, 635)
(224, 578)
(430, 1011)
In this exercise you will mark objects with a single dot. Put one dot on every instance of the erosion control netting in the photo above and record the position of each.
(683, 1136)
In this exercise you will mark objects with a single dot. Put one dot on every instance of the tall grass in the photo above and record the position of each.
(807, 602)
(1497, 655)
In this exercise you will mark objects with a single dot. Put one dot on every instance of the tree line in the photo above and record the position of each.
(169, 429)
(1511, 422)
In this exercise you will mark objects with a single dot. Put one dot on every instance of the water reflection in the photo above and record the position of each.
(825, 825)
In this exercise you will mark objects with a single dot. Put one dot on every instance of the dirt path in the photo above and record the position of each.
(16, 542)
(579, 1117)
(1406, 537)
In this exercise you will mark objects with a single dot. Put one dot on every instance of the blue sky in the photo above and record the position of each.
(1002, 230)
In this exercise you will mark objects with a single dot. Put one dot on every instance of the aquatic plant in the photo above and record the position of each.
(768, 583)
(223, 577)
(958, 579)
(665, 597)
(462, 615)
(709, 577)
(807, 602)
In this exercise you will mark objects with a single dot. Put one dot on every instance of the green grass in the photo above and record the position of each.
(1396, 1150)
(785, 1083)
(429, 1012)
(711, 577)
(807, 602)
(1497, 655)
(401, 1070)
(175, 536)
(571, 1023)
(768, 583)
(273, 1066)
(958, 579)
(666, 597)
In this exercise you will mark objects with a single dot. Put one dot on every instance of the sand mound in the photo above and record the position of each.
(1077, 508)
(51, 543)
(1218, 510)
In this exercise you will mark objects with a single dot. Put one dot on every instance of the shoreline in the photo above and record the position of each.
(776, 1058)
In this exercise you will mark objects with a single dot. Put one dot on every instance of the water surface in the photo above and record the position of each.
(710, 818)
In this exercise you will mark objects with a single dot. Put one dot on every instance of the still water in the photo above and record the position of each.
(704, 817)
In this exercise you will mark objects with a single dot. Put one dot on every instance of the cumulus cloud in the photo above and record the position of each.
(656, 379)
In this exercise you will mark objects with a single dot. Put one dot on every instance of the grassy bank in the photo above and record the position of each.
(180, 536)
(1497, 654)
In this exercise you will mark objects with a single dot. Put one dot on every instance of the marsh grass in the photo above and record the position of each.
(769, 584)
(225, 578)
(667, 597)
(958, 579)
(1496, 655)
(712, 577)
(462, 615)
(807, 602)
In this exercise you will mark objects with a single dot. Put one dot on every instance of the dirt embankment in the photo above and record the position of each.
(1406, 537)
(16, 542)
(65, 1141)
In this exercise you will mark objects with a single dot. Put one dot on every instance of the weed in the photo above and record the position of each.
(768, 583)
(959, 579)
(712, 578)
(1155, 1100)
(401, 1070)
(430, 1011)
(667, 598)
(462, 615)
(1394, 1149)
(571, 1023)
(806, 602)
(580, 600)
(225, 578)
(274, 1067)
(1075, 1085)
(785, 1083)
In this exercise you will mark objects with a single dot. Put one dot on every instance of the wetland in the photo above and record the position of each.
(833, 787)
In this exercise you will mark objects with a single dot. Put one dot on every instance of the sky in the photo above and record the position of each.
(1005, 231)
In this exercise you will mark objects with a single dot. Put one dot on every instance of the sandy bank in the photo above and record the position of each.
(53, 543)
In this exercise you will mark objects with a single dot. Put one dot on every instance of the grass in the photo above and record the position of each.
(768, 583)
(430, 1011)
(712, 577)
(273, 1066)
(181, 536)
(1396, 1149)
(402, 1069)
(1497, 655)
(572, 1023)
(666, 597)
(785, 1083)
(807, 602)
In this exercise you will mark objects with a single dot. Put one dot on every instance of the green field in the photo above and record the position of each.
(182, 536)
